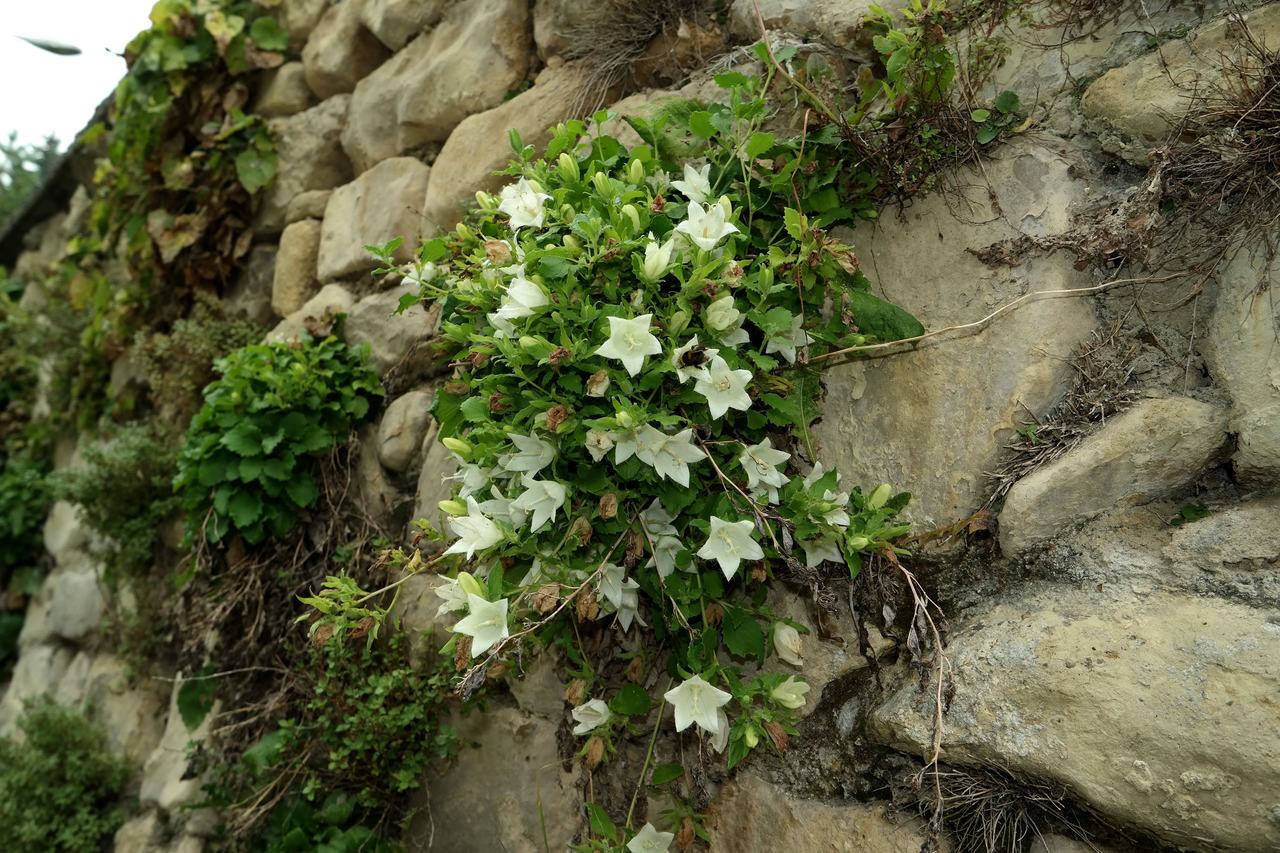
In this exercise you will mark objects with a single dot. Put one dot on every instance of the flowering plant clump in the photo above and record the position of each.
(631, 405)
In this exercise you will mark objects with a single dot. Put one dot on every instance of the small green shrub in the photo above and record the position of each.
(246, 466)
(60, 787)
(297, 824)
(125, 491)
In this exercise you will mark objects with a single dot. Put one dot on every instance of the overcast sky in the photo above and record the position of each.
(41, 93)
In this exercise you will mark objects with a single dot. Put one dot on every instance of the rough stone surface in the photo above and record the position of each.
(340, 51)
(835, 21)
(164, 776)
(378, 496)
(403, 426)
(1149, 451)
(130, 708)
(467, 64)
(295, 278)
(1248, 533)
(382, 203)
(332, 299)
(936, 420)
(250, 295)
(390, 336)
(309, 157)
(752, 815)
(1051, 843)
(141, 834)
(1145, 99)
(300, 17)
(553, 22)
(479, 146)
(395, 22)
(38, 669)
(64, 530)
(425, 629)
(1244, 354)
(284, 92)
(75, 601)
(1156, 710)
(308, 205)
(434, 483)
(516, 771)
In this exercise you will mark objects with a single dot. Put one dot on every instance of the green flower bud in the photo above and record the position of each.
(453, 507)
(751, 736)
(880, 496)
(457, 445)
(636, 172)
(470, 585)
(859, 543)
(528, 342)
(633, 215)
(625, 420)
(567, 212)
(485, 201)
(463, 231)
(537, 187)
(568, 166)
(679, 322)
(601, 181)
(571, 242)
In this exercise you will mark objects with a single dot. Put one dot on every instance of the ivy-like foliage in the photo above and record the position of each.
(631, 413)
(246, 465)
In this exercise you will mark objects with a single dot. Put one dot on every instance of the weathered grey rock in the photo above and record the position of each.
(1052, 843)
(131, 708)
(300, 17)
(835, 21)
(516, 770)
(71, 688)
(39, 670)
(378, 497)
(142, 834)
(553, 22)
(1156, 710)
(752, 814)
(1243, 351)
(1145, 99)
(395, 22)
(382, 203)
(309, 157)
(76, 601)
(1147, 452)
(434, 480)
(935, 420)
(340, 51)
(333, 299)
(417, 608)
(164, 783)
(1244, 534)
(295, 277)
(539, 690)
(65, 530)
(479, 146)
(403, 426)
(467, 64)
(308, 205)
(390, 336)
(284, 92)
(250, 295)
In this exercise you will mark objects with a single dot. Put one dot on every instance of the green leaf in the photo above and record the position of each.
(631, 701)
(731, 79)
(759, 143)
(700, 124)
(1007, 102)
(601, 825)
(884, 320)
(245, 508)
(303, 491)
(195, 700)
(986, 133)
(664, 773)
(244, 439)
(795, 223)
(268, 34)
(775, 321)
(475, 409)
(433, 250)
(980, 115)
(742, 634)
(255, 168)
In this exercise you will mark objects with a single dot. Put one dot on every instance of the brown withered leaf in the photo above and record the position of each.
(687, 834)
(635, 670)
(581, 531)
(497, 251)
(172, 234)
(545, 598)
(556, 415)
(609, 506)
(558, 356)
(462, 653)
(778, 735)
(575, 692)
(594, 752)
(585, 605)
(713, 613)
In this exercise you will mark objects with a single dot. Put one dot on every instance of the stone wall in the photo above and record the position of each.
(1130, 663)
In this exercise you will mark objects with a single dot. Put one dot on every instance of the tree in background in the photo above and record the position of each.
(22, 169)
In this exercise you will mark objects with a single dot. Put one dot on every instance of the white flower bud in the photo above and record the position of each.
(786, 642)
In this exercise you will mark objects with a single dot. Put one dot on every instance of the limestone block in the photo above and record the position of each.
(333, 299)
(64, 530)
(295, 276)
(391, 336)
(382, 203)
(836, 21)
(309, 157)
(403, 427)
(1149, 451)
(467, 64)
(396, 22)
(39, 669)
(284, 92)
(340, 51)
(250, 294)
(308, 205)
(300, 17)
(165, 780)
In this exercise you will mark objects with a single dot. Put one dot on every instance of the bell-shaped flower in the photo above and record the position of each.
(657, 521)
(542, 499)
(524, 203)
(696, 185)
(522, 299)
(649, 840)
(629, 342)
(696, 701)
(626, 443)
(721, 738)
(786, 343)
(820, 550)
(610, 582)
(452, 596)
(502, 326)
(533, 454)
(590, 716)
(706, 227)
(760, 462)
(729, 543)
(725, 320)
(668, 455)
(790, 693)
(486, 624)
(657, 258)
(629, 608)
(786, 642)
(599, 443)
(689, 359)
(724, 387)
(665, 549)
(473, 477)
(500, 508)
(475, 531)
(838, 515)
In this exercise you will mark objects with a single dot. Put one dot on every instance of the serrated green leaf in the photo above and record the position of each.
(664, 773)
(268, 34)
(700, 124)
(884, 320)
(475, 409)
(742, 633)
(986, 133)
(244, 439)
(759, 143)
(245, 508)
(303, 491)
(631, 701)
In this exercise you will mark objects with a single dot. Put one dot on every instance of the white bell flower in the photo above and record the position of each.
(760, 462)
(452, 596)
(706, 227)
(790, 693)
(724, 388)
(626, 444)
(501, 508)
(524, 203)
(696, 185)
(657, 521)
(665, 549)
(475, 531)
(669, 455)
(599, 443)
(610, 583)
(837, 516)
(657, 258)
(686, 372)
(542, 499)
(649, 840)
(590, 716)
(696, 701)
(729, 543)
(629, 342)
(473, 477)
(786, 343)
(486, 624)
(820, 550)
(522, 299)
(502, 327)
(786, 642)
(721, 738)
(629, 609)
(533, 454)
(723, 317)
